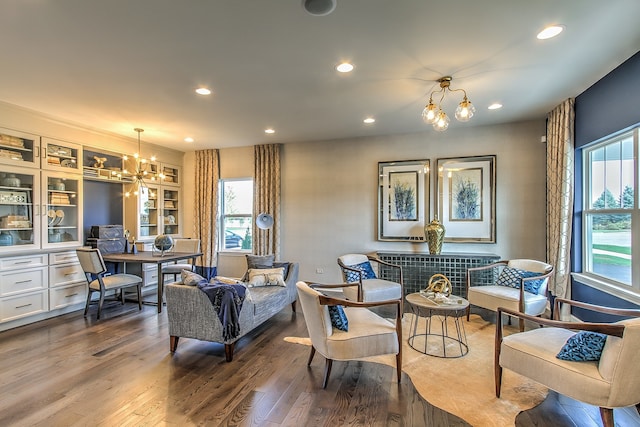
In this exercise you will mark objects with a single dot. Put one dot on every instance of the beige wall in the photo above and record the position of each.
(329, 192)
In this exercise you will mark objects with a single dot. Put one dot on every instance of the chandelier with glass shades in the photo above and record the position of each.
(142, 170)
(434, 115)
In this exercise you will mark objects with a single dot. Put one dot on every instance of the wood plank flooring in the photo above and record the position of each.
(72, 371)
(76, 371)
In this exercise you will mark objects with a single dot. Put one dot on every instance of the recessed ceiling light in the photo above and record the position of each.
(495, 106)
(345, 67)
(550, 31)
(203, 91)
(269, 131)
(369, 120)
(188, 139)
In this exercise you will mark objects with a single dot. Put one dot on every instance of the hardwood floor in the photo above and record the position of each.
(72, 371)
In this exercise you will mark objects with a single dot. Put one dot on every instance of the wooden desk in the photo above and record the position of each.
(150, 258)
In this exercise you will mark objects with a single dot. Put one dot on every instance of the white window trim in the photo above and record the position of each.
(616, 290)
(222, 216)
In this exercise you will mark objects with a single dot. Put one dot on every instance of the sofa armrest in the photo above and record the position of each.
(191, 314)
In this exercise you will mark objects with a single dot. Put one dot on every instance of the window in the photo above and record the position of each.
(611, 225)
(236, 218)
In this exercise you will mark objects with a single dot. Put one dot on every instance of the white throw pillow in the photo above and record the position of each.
(266, 277)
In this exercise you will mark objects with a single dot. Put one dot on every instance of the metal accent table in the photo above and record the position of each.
(438, 339)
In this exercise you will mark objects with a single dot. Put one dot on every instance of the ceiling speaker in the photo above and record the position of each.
(264, 221)
(319, 7)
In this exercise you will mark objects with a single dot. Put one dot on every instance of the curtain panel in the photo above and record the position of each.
(266, 198)
(207, 175)
(560, 193)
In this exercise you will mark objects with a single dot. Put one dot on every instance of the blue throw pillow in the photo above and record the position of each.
(338, 317)
(367, 272)
(583, 346)
(511, 277)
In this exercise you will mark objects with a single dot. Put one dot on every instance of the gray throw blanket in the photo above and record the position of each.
(227, 302)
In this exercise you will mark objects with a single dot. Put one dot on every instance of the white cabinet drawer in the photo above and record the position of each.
(63, 296)
(65, 274)
(150, 277)
(12, 282)
(23, 305)
(63, 257)
(14, 263)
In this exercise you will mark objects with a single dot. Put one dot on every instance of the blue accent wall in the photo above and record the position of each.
(103, 204)
(606, 108)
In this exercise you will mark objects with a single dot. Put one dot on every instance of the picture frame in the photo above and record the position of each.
(403, 200)
(466, 198)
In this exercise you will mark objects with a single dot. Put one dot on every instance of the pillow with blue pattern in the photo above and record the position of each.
(511, 277)
(190, 278)
(338, 317)
(367, 272)
(583, 346)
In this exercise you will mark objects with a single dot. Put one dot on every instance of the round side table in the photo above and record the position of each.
(444, 334)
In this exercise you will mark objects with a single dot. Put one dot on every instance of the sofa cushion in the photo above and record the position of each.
(338, 317)
(265, 277)
(583, 346)
(257, 261)
(190, 278)
(510, 276)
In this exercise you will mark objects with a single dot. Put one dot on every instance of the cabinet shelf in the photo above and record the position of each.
(14, 147)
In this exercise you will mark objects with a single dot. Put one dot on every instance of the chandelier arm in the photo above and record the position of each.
(459, 90)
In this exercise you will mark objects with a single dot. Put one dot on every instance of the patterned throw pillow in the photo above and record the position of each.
(583, 346)
(190, 278)
(367, 272)
(511, 277)
(338, 317)
(257, 261)
(266, 277)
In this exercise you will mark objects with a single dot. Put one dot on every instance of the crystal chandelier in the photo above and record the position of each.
(434, 115)
(142, 170)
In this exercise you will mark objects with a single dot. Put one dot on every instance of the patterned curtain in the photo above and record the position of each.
(560, 177)
(266, 198)
(206, 210)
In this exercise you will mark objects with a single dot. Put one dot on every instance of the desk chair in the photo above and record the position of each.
(182, 245)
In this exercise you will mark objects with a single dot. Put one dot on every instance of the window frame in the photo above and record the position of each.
(630, 292)
(222, 217)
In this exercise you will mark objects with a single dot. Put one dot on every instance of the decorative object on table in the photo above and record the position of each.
(11, 180)
(466, 199)
(99, 162)
(434, 232)
(163, 243)
(439, 284)
(403, 200)
(434, 115)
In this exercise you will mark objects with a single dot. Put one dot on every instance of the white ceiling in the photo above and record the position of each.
(119, 64)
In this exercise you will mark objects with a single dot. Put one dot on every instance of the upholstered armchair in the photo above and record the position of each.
(367, 334)
(358, 268)
(518, 284)
(609, 378)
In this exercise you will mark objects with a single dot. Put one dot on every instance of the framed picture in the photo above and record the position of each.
(403, 200)
(466, 201)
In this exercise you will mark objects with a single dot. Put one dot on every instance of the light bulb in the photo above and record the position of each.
(465, 110)
(442, 121)
(429, 113)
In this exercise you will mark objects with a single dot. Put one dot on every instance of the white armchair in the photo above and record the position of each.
(518, 284)
(610, 382)
(357, 268)
(368, 334)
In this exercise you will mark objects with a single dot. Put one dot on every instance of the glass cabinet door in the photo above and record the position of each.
(61, 155)
(19, 196)
(170, 211)
(19, 148)
(148, 212)
(62, 218)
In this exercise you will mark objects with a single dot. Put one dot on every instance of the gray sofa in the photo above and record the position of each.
(191, 314)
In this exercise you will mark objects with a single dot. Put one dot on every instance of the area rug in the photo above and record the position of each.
(464, 386)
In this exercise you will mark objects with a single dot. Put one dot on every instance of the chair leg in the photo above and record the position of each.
(313, 353)
(122, 295)
(521, 324)
(100, 303)
(173, 343)
(293, 307)
(399, 366)
(607, 417)
(86, 307)
(468, 312)
(139, 296)
(327, 372)
(498, 378)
